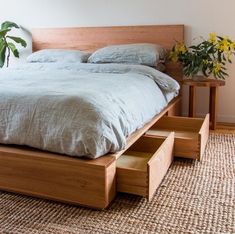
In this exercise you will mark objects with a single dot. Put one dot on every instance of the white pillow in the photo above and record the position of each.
(142, 53)
(58, 55)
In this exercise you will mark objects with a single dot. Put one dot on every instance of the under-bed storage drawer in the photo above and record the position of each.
(191, 134)
(142, 167)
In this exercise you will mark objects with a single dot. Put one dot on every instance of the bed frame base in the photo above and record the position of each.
(56, 177)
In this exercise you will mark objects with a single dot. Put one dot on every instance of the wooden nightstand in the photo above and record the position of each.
(213, 85)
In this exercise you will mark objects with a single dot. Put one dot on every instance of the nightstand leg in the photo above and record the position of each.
(192, 101)
(213, 106)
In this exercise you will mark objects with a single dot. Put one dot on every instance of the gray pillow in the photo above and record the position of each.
(58, 55)
(143, 53)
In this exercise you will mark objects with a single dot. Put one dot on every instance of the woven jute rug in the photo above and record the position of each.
(195, 197)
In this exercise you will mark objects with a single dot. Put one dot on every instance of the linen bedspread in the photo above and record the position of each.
(79, 109)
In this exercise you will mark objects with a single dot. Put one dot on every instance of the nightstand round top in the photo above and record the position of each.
(204, 83)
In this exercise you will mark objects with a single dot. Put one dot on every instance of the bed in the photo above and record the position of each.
(87, 182)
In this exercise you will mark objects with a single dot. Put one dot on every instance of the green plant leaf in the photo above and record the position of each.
(224, 73)
(2, 42)
(193, 47)
(13, 49)
(9, 25)
(18, 40)
(3, 32)
(2, 55)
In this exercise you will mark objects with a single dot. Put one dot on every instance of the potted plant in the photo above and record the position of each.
(207, 58)
(7, 46)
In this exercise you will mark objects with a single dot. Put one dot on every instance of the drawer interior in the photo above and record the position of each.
(191, 134)
(141, 168)
(139, 154)
(178, 133)
(183, 126)
(134, 160)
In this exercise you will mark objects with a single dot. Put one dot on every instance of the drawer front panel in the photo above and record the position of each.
(131, 181)
(187, 148)
(159, 165)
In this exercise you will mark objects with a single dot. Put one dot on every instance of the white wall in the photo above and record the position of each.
(199, 16)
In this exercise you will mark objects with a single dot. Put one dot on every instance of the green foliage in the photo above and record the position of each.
(3, 49)
(18, 40)
(9, 25)
(208, 57)
(7, 45)
(13, 49)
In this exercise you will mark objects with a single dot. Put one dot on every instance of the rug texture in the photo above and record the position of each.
(195, 197)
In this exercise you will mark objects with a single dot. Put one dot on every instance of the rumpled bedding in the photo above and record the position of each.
(79, 109)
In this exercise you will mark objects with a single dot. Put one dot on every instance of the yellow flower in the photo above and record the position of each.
(183, 49)
(212, 38)
(205, 61)
(233, 45)
(174, 56)
(180, 48)
(217, 67)
(224, 45)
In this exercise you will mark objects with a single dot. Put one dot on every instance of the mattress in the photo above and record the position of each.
(79, 109)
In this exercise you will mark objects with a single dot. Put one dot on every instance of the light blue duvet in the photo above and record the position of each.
(79, 109)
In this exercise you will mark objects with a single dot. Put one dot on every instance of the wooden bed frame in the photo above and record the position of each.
(86, 182)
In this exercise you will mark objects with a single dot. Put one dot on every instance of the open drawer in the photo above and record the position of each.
(142, 167)
(191, 134)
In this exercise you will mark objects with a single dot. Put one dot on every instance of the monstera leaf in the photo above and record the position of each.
(8, 47)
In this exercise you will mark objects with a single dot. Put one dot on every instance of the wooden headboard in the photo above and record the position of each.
(92, 38)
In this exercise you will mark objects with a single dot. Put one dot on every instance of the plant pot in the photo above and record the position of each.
(199, 78)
